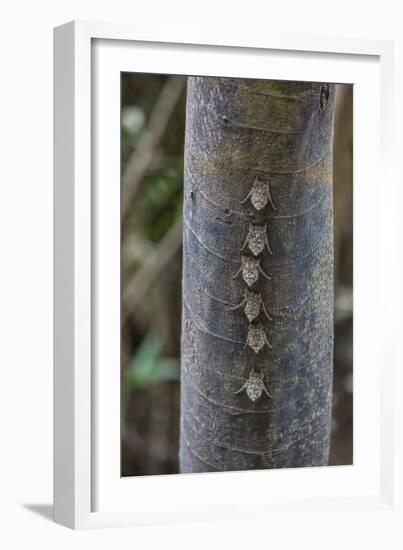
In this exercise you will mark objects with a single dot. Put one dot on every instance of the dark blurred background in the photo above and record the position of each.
(152, 147)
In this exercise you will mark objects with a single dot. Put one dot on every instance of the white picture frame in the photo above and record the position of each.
(88, 489)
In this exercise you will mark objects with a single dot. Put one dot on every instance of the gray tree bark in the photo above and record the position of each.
(257, 353)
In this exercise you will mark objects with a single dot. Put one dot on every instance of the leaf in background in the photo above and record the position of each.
(133, 119)
(168, 369)
(147, 367)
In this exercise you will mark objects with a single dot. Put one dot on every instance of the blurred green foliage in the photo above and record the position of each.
(160, 202)
(148, 366)
(151, 347)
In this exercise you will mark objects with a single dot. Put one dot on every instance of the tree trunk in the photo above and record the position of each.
(257, 353)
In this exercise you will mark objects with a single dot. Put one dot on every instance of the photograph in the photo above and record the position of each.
(236, 274)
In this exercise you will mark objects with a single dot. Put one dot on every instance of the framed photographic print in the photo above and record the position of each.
(218, 233)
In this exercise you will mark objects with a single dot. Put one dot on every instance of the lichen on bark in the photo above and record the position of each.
(282, 133)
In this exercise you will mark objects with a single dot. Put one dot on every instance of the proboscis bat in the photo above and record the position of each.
(257, 240)
(254, 386)
(252, 303)
(250, 268)
(257, 338)
(259, 194)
